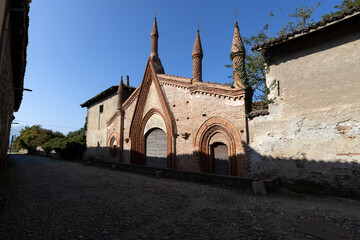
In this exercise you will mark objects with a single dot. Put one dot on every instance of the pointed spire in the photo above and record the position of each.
(197, 56)
(154, 56)
(197, 50)
(120, 94)
(238, 57)
(154, 40)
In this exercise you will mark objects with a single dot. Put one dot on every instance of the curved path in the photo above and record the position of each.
(52, 199)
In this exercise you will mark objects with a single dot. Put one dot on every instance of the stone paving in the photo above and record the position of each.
(52, 199)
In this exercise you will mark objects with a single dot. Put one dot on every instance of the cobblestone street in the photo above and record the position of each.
(52, 199)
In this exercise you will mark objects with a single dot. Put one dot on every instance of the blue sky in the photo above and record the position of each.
(80, 48)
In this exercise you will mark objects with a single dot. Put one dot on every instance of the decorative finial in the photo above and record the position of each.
(198, 23)
(235, 14)
(156, 9)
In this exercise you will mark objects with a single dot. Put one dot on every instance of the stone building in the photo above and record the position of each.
(311, 131)
(14, 22)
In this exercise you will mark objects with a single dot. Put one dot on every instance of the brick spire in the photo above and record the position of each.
(154, 56)
(238, 57)
(120, 94)
(154, 40)
(197, 56)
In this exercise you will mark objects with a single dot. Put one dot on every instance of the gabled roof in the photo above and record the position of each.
(314, 27)
(104, 94)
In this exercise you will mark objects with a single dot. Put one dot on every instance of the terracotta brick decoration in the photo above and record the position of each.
(197, 56)
(229, 136)
(139, 121)
(238, 57)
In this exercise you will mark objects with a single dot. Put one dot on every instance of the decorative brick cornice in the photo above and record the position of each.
(174, 81)
(208, 88)
(217, 90)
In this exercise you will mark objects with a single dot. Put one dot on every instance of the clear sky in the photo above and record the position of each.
(79, 48)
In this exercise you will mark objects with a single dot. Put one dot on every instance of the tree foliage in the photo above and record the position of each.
(81, 131)
(32, 137)
(70, 147)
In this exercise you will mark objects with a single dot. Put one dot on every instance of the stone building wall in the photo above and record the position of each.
(313, 129)
(7, 102)
(97, 129)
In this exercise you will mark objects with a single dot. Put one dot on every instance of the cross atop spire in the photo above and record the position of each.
(156, 9)
(235, 14)
(198, 23)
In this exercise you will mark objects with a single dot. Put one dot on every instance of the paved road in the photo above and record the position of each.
(51, 199)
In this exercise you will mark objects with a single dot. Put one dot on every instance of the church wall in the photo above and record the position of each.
(190, 112)
(313, 129)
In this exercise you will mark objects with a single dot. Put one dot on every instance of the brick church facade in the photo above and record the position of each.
(311, 131)
(173, 122)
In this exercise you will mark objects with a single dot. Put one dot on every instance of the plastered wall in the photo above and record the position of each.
(313, 129)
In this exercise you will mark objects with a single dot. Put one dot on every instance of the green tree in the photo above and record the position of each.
(70, 147)
(53, 144)
(32, 137)
(81, 131)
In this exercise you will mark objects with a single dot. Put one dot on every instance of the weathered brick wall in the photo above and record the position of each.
(313, 129)
(7, 103)
(191, 111)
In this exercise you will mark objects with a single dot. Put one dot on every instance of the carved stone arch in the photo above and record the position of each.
(113, 136)
(210, 128)
(140, 138)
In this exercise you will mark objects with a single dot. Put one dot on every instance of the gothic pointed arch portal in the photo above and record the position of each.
(140, 155)
(144, 109)
(218, 131)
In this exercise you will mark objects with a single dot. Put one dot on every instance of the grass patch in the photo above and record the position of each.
(308, 187)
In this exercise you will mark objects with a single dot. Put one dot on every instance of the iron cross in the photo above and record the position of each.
(235, 14)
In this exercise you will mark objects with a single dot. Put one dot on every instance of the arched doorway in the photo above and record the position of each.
(220, 158)
(113, 144)
(156, 148)
(219, 130)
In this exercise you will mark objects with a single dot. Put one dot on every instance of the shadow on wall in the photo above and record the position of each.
(339, 174)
